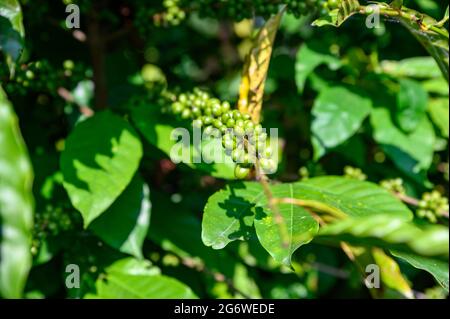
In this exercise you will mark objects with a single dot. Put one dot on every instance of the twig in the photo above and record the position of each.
(97, 46)
(67, 96)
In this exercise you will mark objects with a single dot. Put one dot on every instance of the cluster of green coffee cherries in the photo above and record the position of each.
(304, 7)
(394, 185)
(432, 206)
(42, 76)
(173, 14)
(175, 11)
(354, 173)
(243, 140)
(51, 221)
(245, 9)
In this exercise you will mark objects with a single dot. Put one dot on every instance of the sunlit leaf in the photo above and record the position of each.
(124, 225)
(16, 204)
(391, 233)
(131, 279)
(230, 213)
(100, 158)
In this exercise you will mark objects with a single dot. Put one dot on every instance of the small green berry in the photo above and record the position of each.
(197, 123)
(186, 114)
(217, 123)
(239, 130)
(241, 172)
(230, 123)
(177, 108)
(225, 106)
(225, 117)
(237, 155)
(207, 119)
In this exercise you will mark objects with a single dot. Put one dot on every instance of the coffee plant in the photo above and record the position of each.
(224, 149)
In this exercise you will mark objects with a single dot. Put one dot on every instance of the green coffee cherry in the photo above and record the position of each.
(394, 185)
(225, 117)
(237, 155)
(230, 123)
(267, 152)
(228, 142)
(239, 131)
(208, 130)
(186, 114)
(333, 4)
(225, 106)
(249, 127)
(217, 123)
(267, 164)
(241, 172)
(197, 123)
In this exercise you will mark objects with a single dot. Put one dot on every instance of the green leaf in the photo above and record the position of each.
(329, 18)
(338, 114)
(158, 130)
(122, 286)
(309, 57)
(437, 268)
(438, 110)
(418, 145)
(436, 43)
(11, 31)
(11, 10)
(137, 279)
(229, 214)
(351, 197)
(415, 67)
(347, 8)
(16, 204)
(336, 17)
(133, 266)
(125, 224)
(412, 102)
(389, 232)
(299, 224)
(436, 86)
(100, 158)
